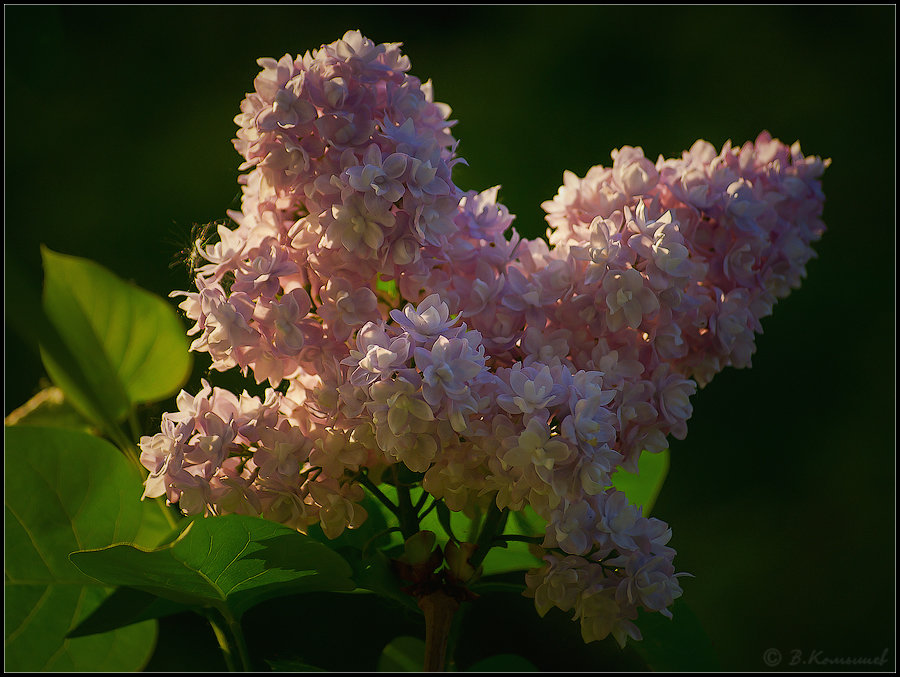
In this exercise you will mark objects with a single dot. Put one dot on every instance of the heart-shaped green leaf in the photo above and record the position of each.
(129, 344)
(124, 607)
(230, 563)
(64, 491)
(643, 488)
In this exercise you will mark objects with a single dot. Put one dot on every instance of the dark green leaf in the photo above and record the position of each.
(506, 622)
(679, 644)
(124, 607)
(374, 574)
(643, 488)
(343, 632)
(129, 343)
(505, 662)
(230, 562)
(292, 666)
(64, 491)
(403, 654)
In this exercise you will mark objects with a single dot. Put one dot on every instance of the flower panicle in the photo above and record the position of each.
(525, 372)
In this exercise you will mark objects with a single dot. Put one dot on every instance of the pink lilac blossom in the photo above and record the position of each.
(522, 372)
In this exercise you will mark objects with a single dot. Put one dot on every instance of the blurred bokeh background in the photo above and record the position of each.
(118, 123)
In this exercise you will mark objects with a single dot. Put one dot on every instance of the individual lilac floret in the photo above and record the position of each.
(531, 390)
(427, 321)
(377, 355)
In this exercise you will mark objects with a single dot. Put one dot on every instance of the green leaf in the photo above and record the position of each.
(127, 605)
(526, 522)
(552, 643)
(374, 574)
(292, 666)
(127, 343)
(48, 408)
(441, 520)
(679, 644)
(230, 563)
(124, 607)
(504, 662)
(644, 487)
(403, 654)
(363, 549)
(64, 491)
(388, 289)
(514, 557)
(91, 386)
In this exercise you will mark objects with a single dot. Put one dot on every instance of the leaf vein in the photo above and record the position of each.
(31, 538)
(15, 633)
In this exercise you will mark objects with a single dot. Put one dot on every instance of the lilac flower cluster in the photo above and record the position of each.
(407, 328)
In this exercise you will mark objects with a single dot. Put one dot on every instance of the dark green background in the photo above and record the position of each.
(782, 498)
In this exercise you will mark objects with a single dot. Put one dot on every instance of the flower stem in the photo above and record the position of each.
(439, 609)
(231, 640)
(222, 638)
(364, 480)
(493, 525)
(238, 633)
(517, 537)
(126, 446)
(166, 511)
(409, 522)
(423, 499)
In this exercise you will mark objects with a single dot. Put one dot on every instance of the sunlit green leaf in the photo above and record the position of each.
(126, 343)
(64, 491)
(230, 562)
(643, 488)
(514, 557)
(388, 289)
